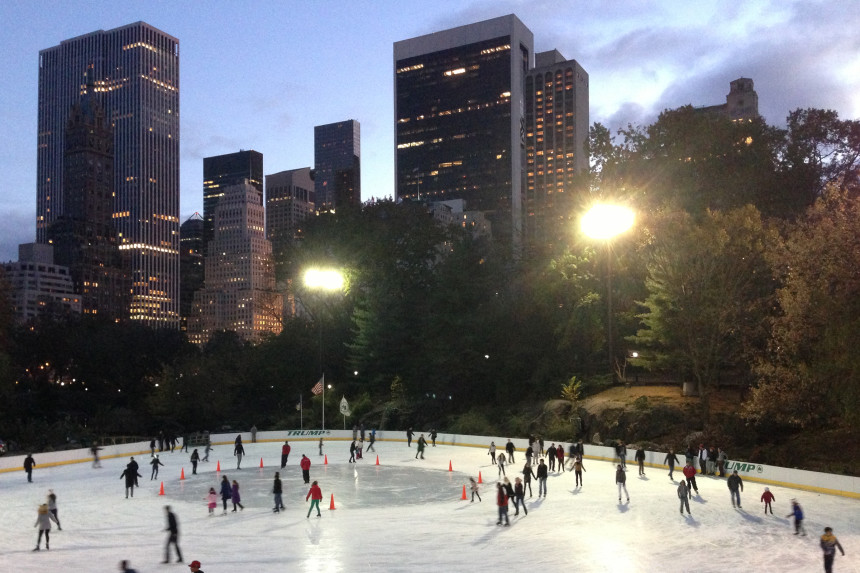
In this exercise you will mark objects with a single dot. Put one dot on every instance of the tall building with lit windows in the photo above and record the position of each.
(337, 164)
(289, 202)
(222, 171)
(556, 113)
(459, 112)
(135, 71)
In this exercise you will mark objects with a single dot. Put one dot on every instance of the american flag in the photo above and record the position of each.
(317, 390)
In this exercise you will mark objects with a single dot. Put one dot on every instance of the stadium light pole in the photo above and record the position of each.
(604, 222)
(326, 280)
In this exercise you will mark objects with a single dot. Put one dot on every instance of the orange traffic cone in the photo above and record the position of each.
(161, 491)
(261, 463)
(182, 475)
(218, 469)
(479, 478)
(325, 461)
(377, 460)
(464, 493)
(331, 506)
(450, 468)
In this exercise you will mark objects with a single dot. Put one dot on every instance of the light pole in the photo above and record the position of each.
(327, 280)
(605, 222)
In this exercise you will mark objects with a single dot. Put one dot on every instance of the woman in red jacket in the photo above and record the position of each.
(315, 493)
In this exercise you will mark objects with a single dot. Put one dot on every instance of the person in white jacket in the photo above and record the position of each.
(43, 522)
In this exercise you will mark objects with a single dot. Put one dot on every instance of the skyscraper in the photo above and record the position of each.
(459, 118)
(191, 264)
(135, 71)
(222, 171)
(337, 162)
(289, 201)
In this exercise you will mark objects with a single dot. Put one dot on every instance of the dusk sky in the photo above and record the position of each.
(260, 75)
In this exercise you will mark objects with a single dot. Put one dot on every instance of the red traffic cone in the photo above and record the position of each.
(479, 478)
(464, 493)
(450, 468)
(325, 461)
(161, 491)
(377, 460)
(261, 463)
(182, 475)
(331, 506)
(218, 469)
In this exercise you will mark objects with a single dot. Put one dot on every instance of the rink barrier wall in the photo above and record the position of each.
(831, 484)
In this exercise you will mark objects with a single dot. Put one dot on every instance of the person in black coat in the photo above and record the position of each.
(671, 460)
(195, 457)
(226, 491)
(409, 434)
(238, 451)
(154, 463)
(541, 477)
(352, 452)
(130, 478)
(173, 538)
(29, 464)
(277, 491)
(640, 459)
(621, 481)
(134, 467)
(528, 474)
(509, 447)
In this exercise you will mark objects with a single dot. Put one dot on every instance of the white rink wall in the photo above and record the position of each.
(846, 486)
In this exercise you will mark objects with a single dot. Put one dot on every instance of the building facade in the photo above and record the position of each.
(239, 293)
(38, 286)
(135, 72)
(741, 102)
(222, 171)
(191, 264)
(289, 202)
(337, 164)
(459, 112)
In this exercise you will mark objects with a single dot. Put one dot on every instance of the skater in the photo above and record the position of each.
(528, 474)
(372, 441)
(409, 434)
(173, 538)
(207, 450)
(501, 461)
(235, 497)
(502, 502)
(95, 451)
(433, 434)
(43, 522)
(722, 457)
(52, 507)
(185, 442)
(285, 454)
(226, 492)
(305, 464)
(212, 501)
(519, 496)
(671, 460)
(359, 448)
(195, 457)
(152, 448)
(422, 443)
(703, 459)
(621, 481)
(238, 451)
(509, 447)
(352, 452)
(254, 434)
(195, 567)
(829, 543)
(684, 496)
(321, 445)
(797, 513)
(277, 491)
(734, 482)
(29, 464)
(541, 477)
(578, 468)
(315, 493)
(621, 452)
(474, 489)
(154, 463)
(767, 498)
(690, 474)
(130, 477)
(134, 467)
(559, 454)
(551, 456)
(530, 453)
(640, 459)
(492, 452)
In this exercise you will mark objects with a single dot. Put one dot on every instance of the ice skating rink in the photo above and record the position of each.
(407, 515)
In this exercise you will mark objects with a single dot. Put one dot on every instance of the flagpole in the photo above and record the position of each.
(301, 414)
(323, 400)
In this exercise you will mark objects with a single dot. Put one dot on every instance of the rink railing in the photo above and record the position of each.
(832, 484)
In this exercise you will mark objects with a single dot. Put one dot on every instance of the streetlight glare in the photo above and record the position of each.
(324, 279)
(606, 221)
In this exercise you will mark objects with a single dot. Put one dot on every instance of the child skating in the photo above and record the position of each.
(767, 498)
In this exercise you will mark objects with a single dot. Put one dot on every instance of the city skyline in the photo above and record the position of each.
(335, 63)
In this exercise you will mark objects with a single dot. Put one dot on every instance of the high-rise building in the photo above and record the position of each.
(337, 162)
(741, 102)
(38, 287)
(459, 111)
(135, 71)
(222, 171)
(556, 96)
(191, 264)
(239, 293)
(289, 201)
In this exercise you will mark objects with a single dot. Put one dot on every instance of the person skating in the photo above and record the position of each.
(829, 544)
(501, 464)
(767, 497)
(409, 434)
(52, 507)
(305, 464)
(551, 456)
(703, 459)
(173, 538)
(684, 495)
(95, 451)
(277, 491)
(433, 434)
(509, 447)
(502, 502)
(621, 452)
(474, 487)
(422, 443)
(130, 477)
(315, 493)
(541, 477)
(321, 446)
(528, 474)
(722, 458)
(352, 452)
(372, 440)
(226, 492)
(690, 474)
(195, 567)
(559, 454)
(238, 451)
(43, 521)
(621, 481)
(206, 450)
(285, 454)
(29, 464)
(578, 468)
(734, 482)
(530, 453)
(212, 501)
(152, 448)
(134, 467)
(671, 460)
(492, 452)
(195, 458)
(235, 497)
(797, 513)
(154, 463)
(640, 459)
(519, 496)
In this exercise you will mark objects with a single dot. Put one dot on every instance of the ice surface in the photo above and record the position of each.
(407, 515)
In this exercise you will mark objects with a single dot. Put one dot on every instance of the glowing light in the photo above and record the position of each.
(326, 279)
(606, 221)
